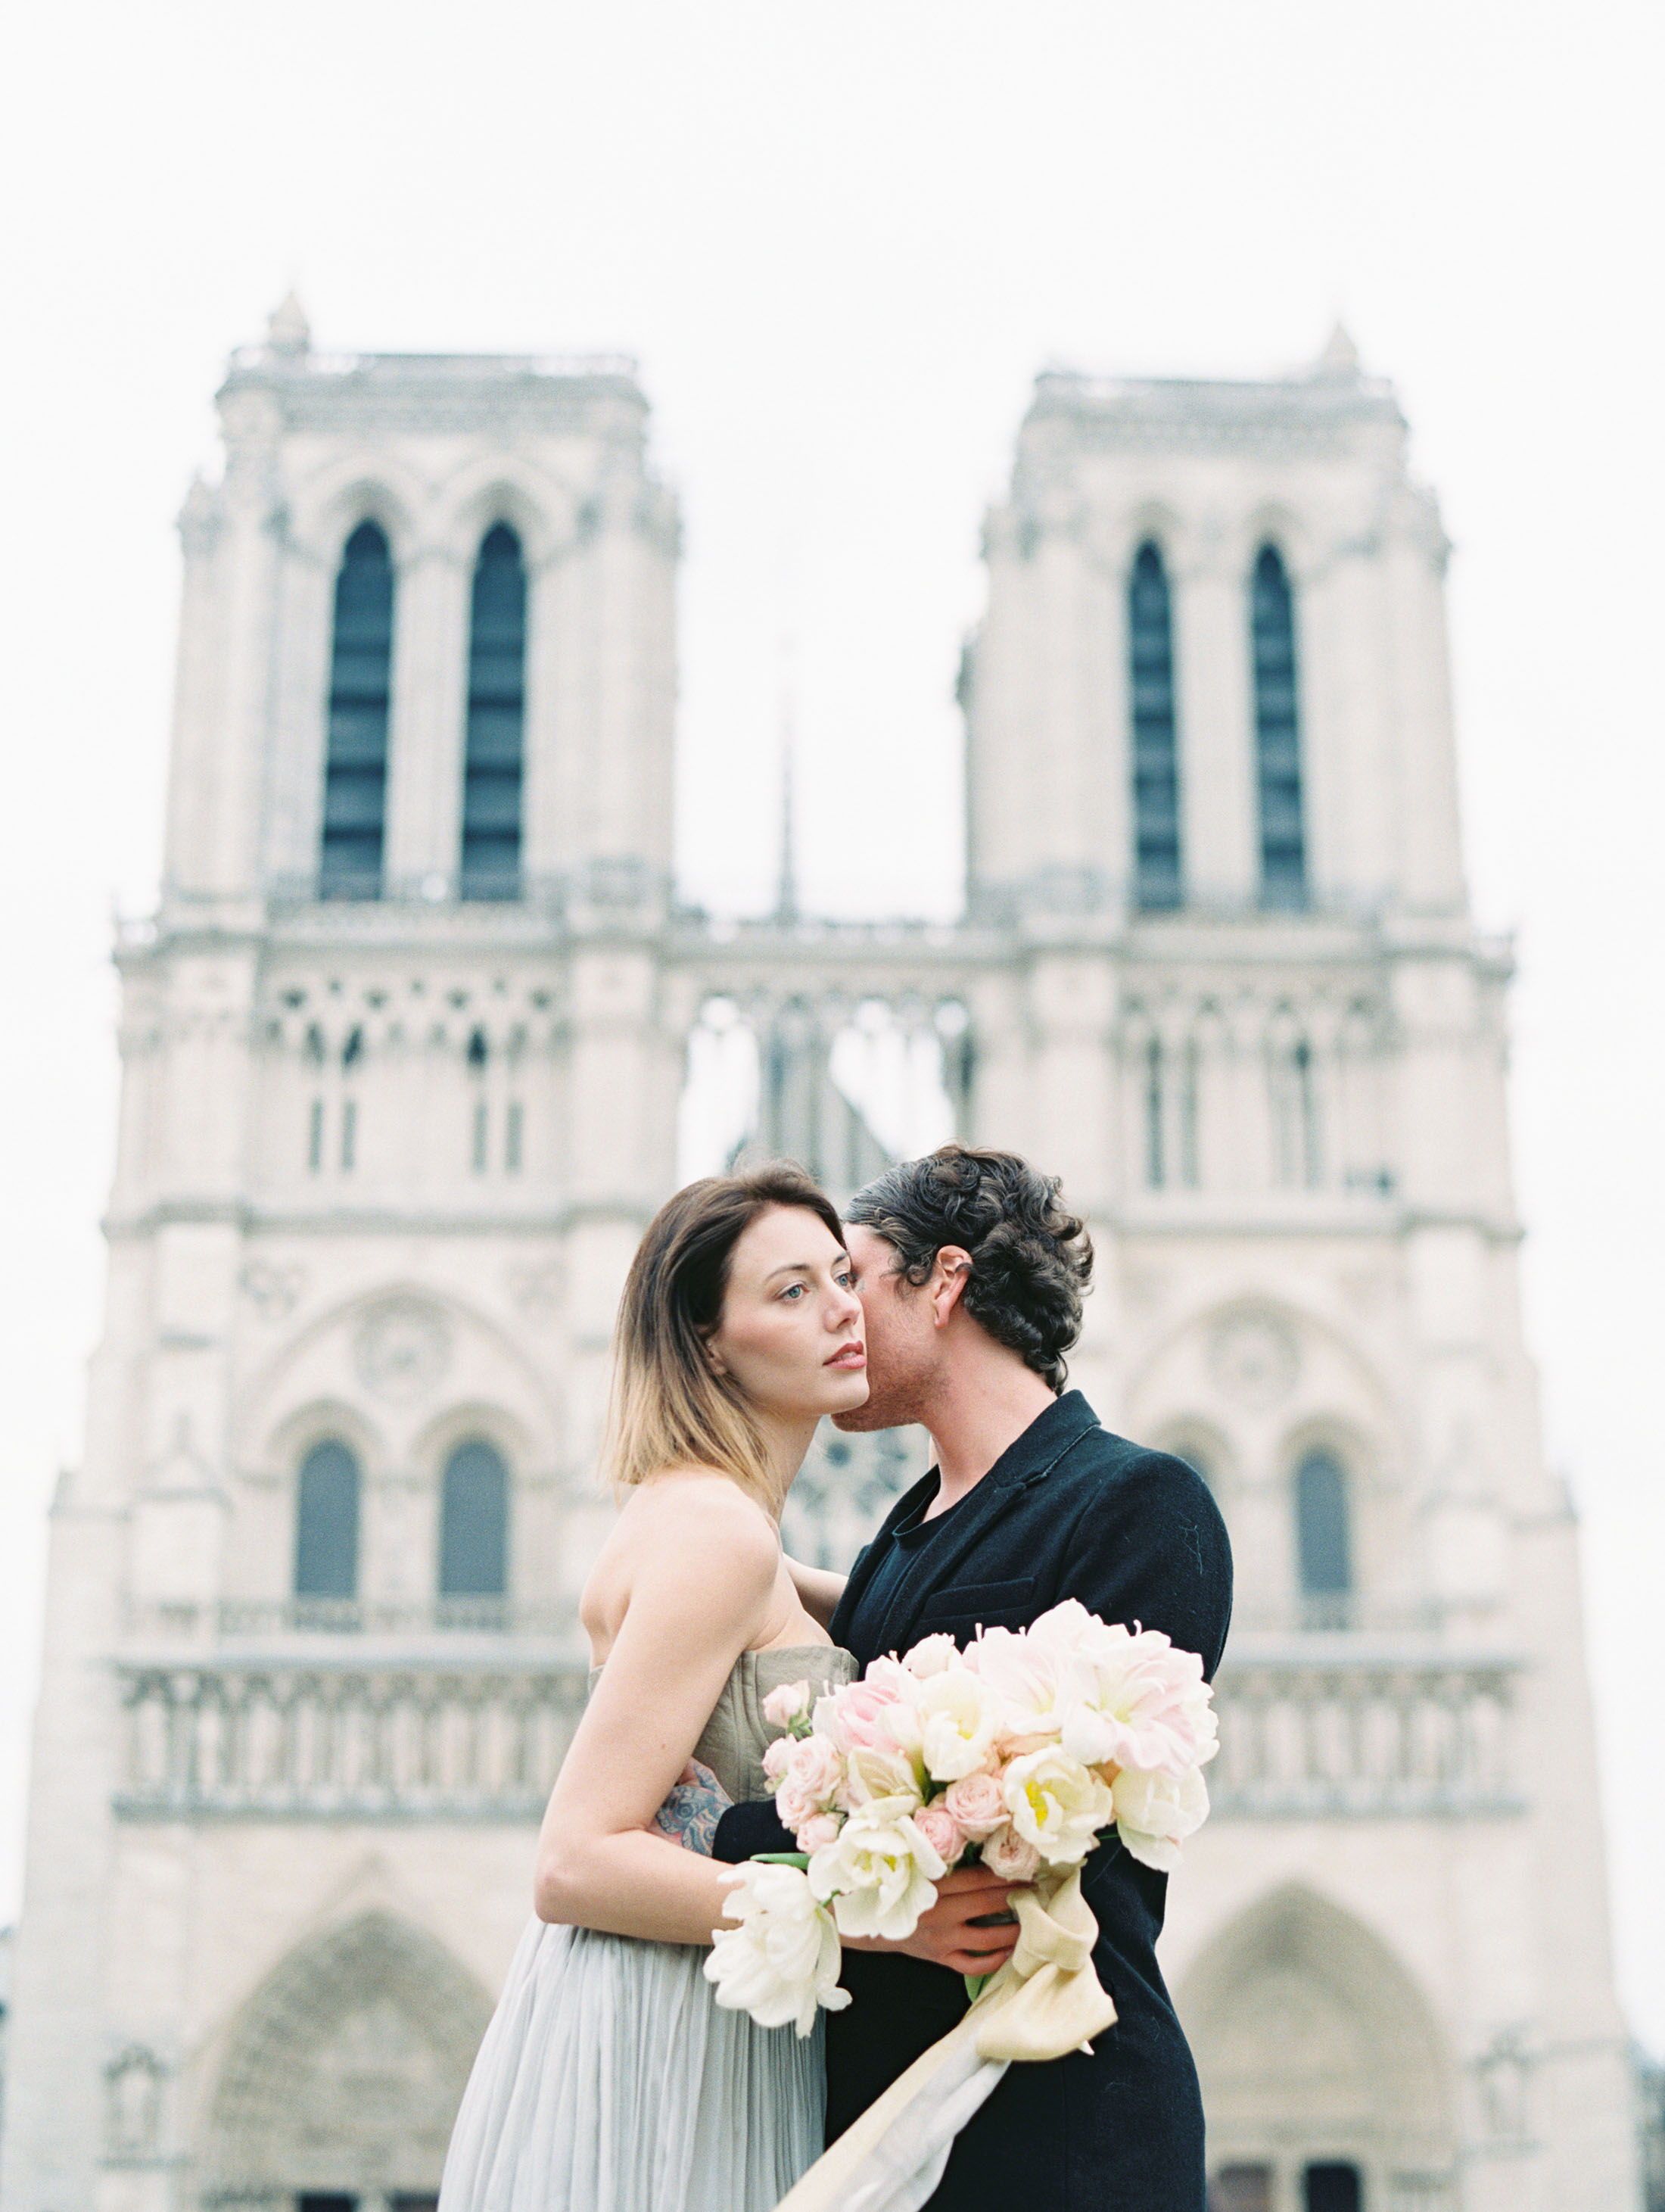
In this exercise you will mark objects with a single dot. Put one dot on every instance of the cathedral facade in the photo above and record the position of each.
(405, 1047)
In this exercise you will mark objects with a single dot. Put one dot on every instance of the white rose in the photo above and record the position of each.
(958, 1721)
(783, 1960)
(787, 1702)
(1057, 1804)
(932, 1655)
(1154, 1814)
(879, 1876)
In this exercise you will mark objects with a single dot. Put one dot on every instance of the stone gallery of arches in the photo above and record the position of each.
(418, 1035)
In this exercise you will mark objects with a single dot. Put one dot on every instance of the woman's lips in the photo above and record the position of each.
(851, 1356)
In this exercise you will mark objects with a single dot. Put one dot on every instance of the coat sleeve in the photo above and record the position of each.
(745, 1830)
(1150, 1549)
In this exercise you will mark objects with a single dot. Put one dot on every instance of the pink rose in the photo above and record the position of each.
(1006, 1854)
(777, 1758)
(941, 1830)
(815, 1768)
(858, 1715)
(787, 1702)
(793, 1807)
(976, 1805)
(818, 1830)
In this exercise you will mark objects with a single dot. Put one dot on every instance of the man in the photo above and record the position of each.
(971, 1273)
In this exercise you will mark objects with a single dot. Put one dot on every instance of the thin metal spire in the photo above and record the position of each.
(785, 896)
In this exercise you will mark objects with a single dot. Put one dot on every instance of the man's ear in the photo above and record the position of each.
(949, 1278)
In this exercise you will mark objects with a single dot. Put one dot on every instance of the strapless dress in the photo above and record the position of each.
(610, 2080)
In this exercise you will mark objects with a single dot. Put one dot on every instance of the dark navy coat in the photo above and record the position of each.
(1069, 1510)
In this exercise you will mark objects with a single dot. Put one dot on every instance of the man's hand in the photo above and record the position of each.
(950, 1935)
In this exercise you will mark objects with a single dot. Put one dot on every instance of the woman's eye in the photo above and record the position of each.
(792, 1291)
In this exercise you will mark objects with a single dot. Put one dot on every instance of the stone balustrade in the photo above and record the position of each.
(477, 1736)
(1329, 1731)
(305, 1737)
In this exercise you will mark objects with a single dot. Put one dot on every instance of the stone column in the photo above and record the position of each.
(430, 709)
(1219, 820)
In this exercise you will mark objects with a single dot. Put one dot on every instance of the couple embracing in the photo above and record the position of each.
(609, 2078)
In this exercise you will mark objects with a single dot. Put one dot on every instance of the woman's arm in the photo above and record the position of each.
(819, 1590)
(699, 1598)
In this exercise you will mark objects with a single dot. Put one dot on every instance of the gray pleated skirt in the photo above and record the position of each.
(608, 2081)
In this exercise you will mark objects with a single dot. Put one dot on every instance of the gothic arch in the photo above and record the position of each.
(343, 2072)
(471, 1417)
(315, 1422)
(1271, 523)
(266, 1412)
(361, 487)
(1375, 1423)
(1314, 2041)
(541, 507)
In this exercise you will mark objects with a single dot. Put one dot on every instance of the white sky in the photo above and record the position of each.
(841, 240)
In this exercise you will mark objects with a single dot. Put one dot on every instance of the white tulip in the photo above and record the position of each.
(782, 1962)
(1154, 1814)
(958, 1721)
(881, 1873)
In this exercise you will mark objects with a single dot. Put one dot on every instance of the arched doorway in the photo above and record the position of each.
(343, 2075)
(1325, 2077)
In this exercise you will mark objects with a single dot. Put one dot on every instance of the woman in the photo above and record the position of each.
(608, 2081)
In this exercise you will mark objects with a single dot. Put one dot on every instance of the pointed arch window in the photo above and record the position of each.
(1157, 879)
(326, 1523)
(1277, 734)
(361, 692)
(1323, 1536)
(493, 757)
(474, 1523)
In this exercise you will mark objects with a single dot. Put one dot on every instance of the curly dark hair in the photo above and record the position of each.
(1031, 1260)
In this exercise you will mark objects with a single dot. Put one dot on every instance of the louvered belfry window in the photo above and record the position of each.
(361, 690)
(1277, 734)
(1155, 743)
(493, 760)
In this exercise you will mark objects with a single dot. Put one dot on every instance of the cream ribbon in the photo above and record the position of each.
(1046, 2000)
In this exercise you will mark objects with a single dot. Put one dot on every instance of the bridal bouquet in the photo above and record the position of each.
(1019, 1751)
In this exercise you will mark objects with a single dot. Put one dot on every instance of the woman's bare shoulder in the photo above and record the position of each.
(694, 1514)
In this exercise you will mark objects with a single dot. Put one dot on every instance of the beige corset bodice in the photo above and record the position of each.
(735, 1738)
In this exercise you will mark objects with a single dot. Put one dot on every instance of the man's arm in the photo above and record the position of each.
(1151, 1548)
(746, 1831)
(818, 1589)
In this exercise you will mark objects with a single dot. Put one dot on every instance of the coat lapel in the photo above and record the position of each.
(868, 1559)
(1029, 1460)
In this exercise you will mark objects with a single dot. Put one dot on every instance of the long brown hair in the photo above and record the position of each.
(669, 1405)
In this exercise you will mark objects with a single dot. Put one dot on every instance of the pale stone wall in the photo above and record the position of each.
(278, 1858)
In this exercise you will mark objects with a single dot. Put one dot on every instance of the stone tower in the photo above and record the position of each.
(405, 1047)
